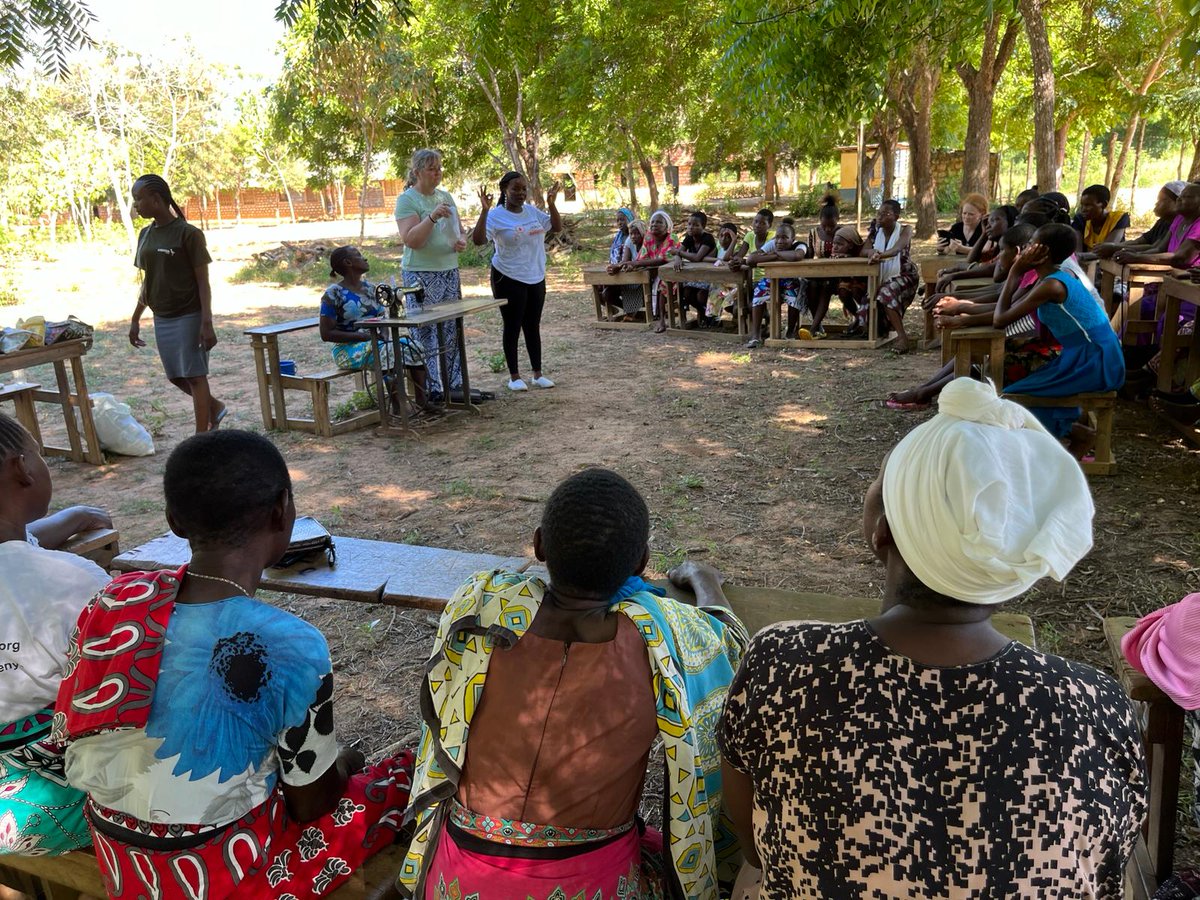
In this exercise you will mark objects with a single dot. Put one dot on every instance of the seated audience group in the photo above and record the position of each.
(185, 729)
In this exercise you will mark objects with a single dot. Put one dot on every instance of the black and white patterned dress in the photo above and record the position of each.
(875, 776)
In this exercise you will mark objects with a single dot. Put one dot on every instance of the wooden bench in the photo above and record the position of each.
(718, 276)
(22, 393)
(273, 385)
(366, 571)
(1103, 405)
(101, 545)
(598, 277)
(1126, 317)
(74, 874)
(1162, 734)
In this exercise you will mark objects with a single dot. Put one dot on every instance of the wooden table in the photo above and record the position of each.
(366, 571)
(774, 272)
(71, 397)
(717, 275)
(1163, 738)
(930, 266)
(442, 316)
(969, 345)
(1126, 317)
(1176, 291)
(599, 277)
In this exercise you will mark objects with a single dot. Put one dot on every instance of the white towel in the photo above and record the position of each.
(982, 501)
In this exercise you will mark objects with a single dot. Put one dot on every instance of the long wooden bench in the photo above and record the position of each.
(273, 385)
(101, 545)
(1162, 736)
(1103, 406)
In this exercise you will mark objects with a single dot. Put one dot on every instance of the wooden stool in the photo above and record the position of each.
(21, 393)
(1103, 405)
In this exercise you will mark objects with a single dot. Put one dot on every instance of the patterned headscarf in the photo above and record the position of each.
(626, 212)
(662, 212)
(850, 235)
(982, 502)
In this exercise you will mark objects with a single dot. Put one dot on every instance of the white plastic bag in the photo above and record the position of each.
(117, 429)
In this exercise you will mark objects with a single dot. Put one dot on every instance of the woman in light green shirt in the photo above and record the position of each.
(432, 234)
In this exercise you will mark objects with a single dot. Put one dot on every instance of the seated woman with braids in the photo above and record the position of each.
(199, 721)
(541, 705)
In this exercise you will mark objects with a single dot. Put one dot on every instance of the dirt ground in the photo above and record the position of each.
(755, 461)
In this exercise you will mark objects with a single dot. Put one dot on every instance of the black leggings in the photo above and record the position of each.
(522, 312)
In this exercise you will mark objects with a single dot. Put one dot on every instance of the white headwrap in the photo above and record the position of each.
(662, 212)
(982, 502)
(1175, 187)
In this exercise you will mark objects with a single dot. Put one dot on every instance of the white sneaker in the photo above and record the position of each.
(518, 384)
(543, 382)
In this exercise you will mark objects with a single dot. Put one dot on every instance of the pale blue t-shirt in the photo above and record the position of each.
(438, 254)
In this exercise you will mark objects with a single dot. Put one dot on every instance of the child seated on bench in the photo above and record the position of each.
(723, 297)
(351, 299)
(41, 593)
(782, 248)
(200, 721)
(697, 246)
(1090, 360)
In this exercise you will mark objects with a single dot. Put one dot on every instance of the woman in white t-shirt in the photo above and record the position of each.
(518, 231)
(41, 594)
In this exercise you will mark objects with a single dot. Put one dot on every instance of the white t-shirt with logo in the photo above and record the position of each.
(520, 240)
(41, 595)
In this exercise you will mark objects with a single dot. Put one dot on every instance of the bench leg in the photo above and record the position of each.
(601, 311)
(320, 405)
(27, 415)
(92, 451)
(1106, 462)
(259, 351)
(64, 401)
(996, 360)
(281, 419)
(1164, 752)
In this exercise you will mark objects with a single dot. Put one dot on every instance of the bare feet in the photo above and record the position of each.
(910, 396)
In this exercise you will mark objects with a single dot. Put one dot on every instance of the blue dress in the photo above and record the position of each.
(1090, 362)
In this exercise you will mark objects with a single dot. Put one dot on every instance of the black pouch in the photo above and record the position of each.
(309, 537)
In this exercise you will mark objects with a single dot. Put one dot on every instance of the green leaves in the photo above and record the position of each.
(48, 29)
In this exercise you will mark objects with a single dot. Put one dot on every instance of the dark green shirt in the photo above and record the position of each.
(169, 255)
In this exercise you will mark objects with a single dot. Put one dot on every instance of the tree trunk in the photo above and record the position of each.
(1131, 133)
(362, 194)
(1194, 171)
(1112, 153)
(237, 203)
(1043, 93)
(217, 197)
(286, 192)
(631, 183)
(1137, 164)
(812, 177)
(980, 84)
(769, 177)
(1028, 166)
(1060, 143)
(203, 210)
(887, 151)
(643, 163)
(1084, 153)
